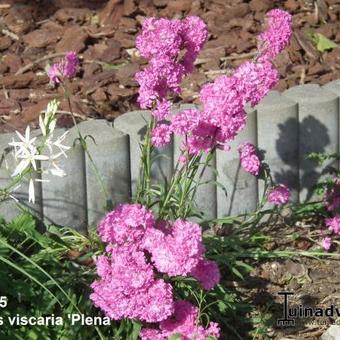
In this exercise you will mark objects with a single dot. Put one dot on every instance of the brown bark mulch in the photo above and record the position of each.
(35, 33)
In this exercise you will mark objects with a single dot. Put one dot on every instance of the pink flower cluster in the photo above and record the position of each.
(279, 195)
(222, 116)
(67, 68)
(161, 42)
(272, 43)
(332, 195)
(223, 101)
(177, 249)
(250, 162)
(126, 225)
(139, 250)
(332, 203)
(161, 135)
(184, 322)
(327, 243)
(333, 225)
(128, 288)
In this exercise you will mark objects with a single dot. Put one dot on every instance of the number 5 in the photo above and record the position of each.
(3, 301)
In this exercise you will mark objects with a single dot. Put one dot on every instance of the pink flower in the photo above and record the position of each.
(152, 334)
(279, 195)
(163, 37)
(161, 135)
(224, 99)
(327, 243)
(162, 109)
(207, 273)
(278, 34)
(332, 195)
(195, 34)
(54, 74)
(184, 322)
(128, 288)
(67, 68)
(151, 304)
(162, 41)
(185, 121)
(103, 266)
(71, 62)
(223, 115)
(137, 246)
(178, 251)
(250, 162)
(213, 330)
(162, 76)
(200, 140)
(221, 100)
(255, 80)
(160, 37)
(158, 304)
(201, 134)
(126, 224)
(139, 249)
(183, 159)
(333, 224)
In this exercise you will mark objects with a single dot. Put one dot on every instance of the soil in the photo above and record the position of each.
(35, 33)
(313, 281)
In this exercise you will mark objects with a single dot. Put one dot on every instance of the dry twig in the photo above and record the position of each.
(100, 34)
(78, 115)
(38, 61)
(240, 56)
(10, 34)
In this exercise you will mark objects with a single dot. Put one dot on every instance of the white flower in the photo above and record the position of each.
(52, 108)
(42, 125)
(58, 144)
(27, 152)
(31, 193)
(27, 160)
(26, 143)
(21, 167)
(57, 171)
(48, 122)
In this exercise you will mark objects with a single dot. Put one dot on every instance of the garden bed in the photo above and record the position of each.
(172, 261)
(103, 33)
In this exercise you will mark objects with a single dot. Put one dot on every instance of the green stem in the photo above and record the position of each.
(205, 165)
(187, 188)
(180, 174)
(143, 195)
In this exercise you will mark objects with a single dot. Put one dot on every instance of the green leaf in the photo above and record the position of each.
(94, 19)
(176, 336)
(235, 271)
(13, 265)
(210, 337)
(222, 306)
(322, 43)
(135, 330)
(108, 66)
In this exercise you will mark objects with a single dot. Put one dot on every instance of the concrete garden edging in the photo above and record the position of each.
(285, 125)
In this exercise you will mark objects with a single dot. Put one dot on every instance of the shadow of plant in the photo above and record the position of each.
(312, 136)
